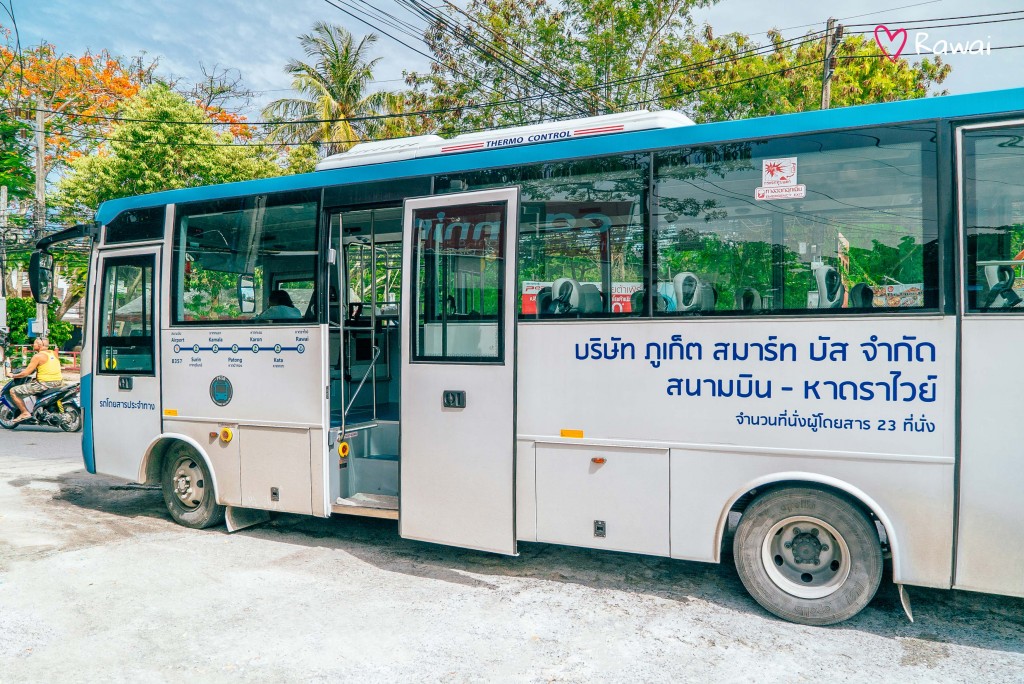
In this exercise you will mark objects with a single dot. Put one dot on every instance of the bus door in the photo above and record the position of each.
(458, 370)
(990, 544)
(125, 408)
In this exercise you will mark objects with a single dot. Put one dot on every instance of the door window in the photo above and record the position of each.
(458, 254)
(126, 316)
(993, 214)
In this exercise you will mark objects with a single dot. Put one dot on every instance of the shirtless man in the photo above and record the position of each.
(46, 366)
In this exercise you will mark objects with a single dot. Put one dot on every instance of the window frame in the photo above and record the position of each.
(960, 233)
(188, 209)
(416, 287)
(114, 260)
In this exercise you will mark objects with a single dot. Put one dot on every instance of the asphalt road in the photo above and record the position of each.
(97, 584)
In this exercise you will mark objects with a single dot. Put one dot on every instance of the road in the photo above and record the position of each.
(97, 584)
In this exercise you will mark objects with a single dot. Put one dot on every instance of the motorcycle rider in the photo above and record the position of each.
(46, 366)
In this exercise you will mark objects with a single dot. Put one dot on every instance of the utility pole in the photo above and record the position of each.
(833, 36)
(40, 217)
(3, 259)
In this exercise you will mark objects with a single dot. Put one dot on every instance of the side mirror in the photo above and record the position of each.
(40, 276)
(246, 294)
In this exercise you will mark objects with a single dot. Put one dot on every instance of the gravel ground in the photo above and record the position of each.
(97, 584)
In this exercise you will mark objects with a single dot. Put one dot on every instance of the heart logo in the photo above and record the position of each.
(891, 42)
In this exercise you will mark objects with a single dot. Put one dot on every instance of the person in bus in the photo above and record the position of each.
(280, 307)
(46, 366)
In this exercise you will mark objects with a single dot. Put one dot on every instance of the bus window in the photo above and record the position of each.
(838, 220)
(460, 258)
(582, 230)
(126, 316)
(994, 218)
(273, 238)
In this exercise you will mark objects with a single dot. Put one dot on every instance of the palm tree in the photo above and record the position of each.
(332, 89)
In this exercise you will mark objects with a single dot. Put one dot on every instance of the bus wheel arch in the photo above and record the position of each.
(806, 550)
(187, 479)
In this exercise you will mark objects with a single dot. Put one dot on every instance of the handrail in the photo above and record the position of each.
(376, 353)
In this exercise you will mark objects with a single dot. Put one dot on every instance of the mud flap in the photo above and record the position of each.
(905, 602)
(239, 518)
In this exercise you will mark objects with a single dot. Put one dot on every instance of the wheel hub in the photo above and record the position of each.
(806, 548)
(805, 557)
(188, 483)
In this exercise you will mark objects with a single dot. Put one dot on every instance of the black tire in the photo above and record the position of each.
(71, 420)
(820, 574)
(188, 489)
(7, 415)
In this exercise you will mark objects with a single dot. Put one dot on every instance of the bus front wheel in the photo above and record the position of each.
(188, 489)
(808, 555)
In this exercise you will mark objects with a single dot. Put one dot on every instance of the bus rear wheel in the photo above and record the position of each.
(188, 489)
(808, 555)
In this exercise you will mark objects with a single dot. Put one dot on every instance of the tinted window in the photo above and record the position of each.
(136, 225)
(126, 316)
(271, 238)
(459, 257)
(993, 198)
(582, 230)
(831, 221)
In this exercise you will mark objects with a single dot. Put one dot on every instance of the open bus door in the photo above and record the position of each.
(458, 370)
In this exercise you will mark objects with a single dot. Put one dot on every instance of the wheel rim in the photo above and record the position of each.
(806, 557)
(188, 483)
(69, 419)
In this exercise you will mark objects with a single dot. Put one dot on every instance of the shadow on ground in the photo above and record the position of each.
(943, 617)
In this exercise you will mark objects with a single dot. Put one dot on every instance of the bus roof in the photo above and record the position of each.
(949, 106)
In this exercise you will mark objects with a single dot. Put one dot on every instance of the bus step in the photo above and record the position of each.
(364, 500)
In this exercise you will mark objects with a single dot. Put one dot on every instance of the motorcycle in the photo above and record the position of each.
(59, 407)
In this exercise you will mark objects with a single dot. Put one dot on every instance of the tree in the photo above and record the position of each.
(535, 60)
(736, 82)
(151, 150)
(15, 169)
(20, 309)
(333, 90)
(76, 93)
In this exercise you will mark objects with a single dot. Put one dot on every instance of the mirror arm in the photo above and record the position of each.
(80, 231)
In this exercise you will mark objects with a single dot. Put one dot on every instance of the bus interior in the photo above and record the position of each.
(365, 352)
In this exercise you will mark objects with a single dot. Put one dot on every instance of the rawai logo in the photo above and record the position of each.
(894, 41)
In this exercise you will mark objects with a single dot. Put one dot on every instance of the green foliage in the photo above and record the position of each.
(301, 159)
(146, 154)
(334, 94)
(15, 168)
(20, 309)
(598, 50)
(588, 57)
(788, 79)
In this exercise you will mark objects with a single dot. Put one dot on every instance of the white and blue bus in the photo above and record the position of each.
(627, 332)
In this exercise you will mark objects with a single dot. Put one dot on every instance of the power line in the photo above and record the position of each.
(442, 110)
(906, 24)
(491, 52)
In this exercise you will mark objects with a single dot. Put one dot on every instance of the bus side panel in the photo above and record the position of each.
(990, 547)
(85, 395)
(919, 517)
(868, 401)
(267, 384)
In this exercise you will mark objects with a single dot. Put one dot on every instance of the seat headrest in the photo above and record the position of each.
(693, 294)
(830, 287)
(862, 296)
(591, 300)
(748, 299)
(565, 295)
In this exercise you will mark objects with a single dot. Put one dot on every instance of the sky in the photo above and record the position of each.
(259, 36)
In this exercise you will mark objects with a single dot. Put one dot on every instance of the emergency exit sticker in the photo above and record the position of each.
(778, 180)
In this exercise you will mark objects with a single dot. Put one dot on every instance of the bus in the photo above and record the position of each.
(789, 334)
